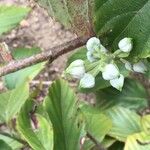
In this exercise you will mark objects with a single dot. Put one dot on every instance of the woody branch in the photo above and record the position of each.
(50, 55)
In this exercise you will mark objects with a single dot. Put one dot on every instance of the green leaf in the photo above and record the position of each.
(146, 123)
(97, 124)
(139, 141)
(124, 123)
(21, 53)
(45, 132)
(133, 96)
(16, 78)
(10, 16)
(74, 15)
(4, 146)
(12, 142)
(61, 106)
(115, 20)
(31, 136)
(12, 101)
(108, 141)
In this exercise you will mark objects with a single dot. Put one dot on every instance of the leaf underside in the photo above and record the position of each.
(73, 14)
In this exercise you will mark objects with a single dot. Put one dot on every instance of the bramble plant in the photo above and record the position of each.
(105, 63)
(111, 61)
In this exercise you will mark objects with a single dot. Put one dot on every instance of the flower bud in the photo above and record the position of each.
(103, 49)
(110, 72)
(76, 69)
(139, 67)
(88, 81)
(118, 82)
(90, 56)
(93, 43)
(126, 45)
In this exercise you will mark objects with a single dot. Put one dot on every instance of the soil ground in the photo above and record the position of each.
(39, 30)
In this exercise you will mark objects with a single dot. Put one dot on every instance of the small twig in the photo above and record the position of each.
(97, 144)
(50, 55)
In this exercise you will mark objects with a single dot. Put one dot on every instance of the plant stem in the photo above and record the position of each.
(50, 55)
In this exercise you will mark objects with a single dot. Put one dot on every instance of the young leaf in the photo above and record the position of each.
(124, 123)
(124, 18)
(10, 16)
(12, 101)
(133, 96)
(61, 106)
(16, 78)
(42, 136)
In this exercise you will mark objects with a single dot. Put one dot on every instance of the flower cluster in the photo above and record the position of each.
(107, 65)
(77, 70)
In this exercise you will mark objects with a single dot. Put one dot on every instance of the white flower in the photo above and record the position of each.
(93, 43)
(90, 56)
(76, 69)
(88, 81)
(139, 67)
(128, 66)
(110, 72)
(103, 49)
(118, 82)
(126, 45)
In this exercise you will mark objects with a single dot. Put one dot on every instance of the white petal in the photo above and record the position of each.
(140, 67)
(90, 56)
(128, 66)
(76, 69)
(110, 72)
(77, 63)
(126, 45)
(92, 43)
(118, 82)
(77, 72)
(103, 49)
(88, 81)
